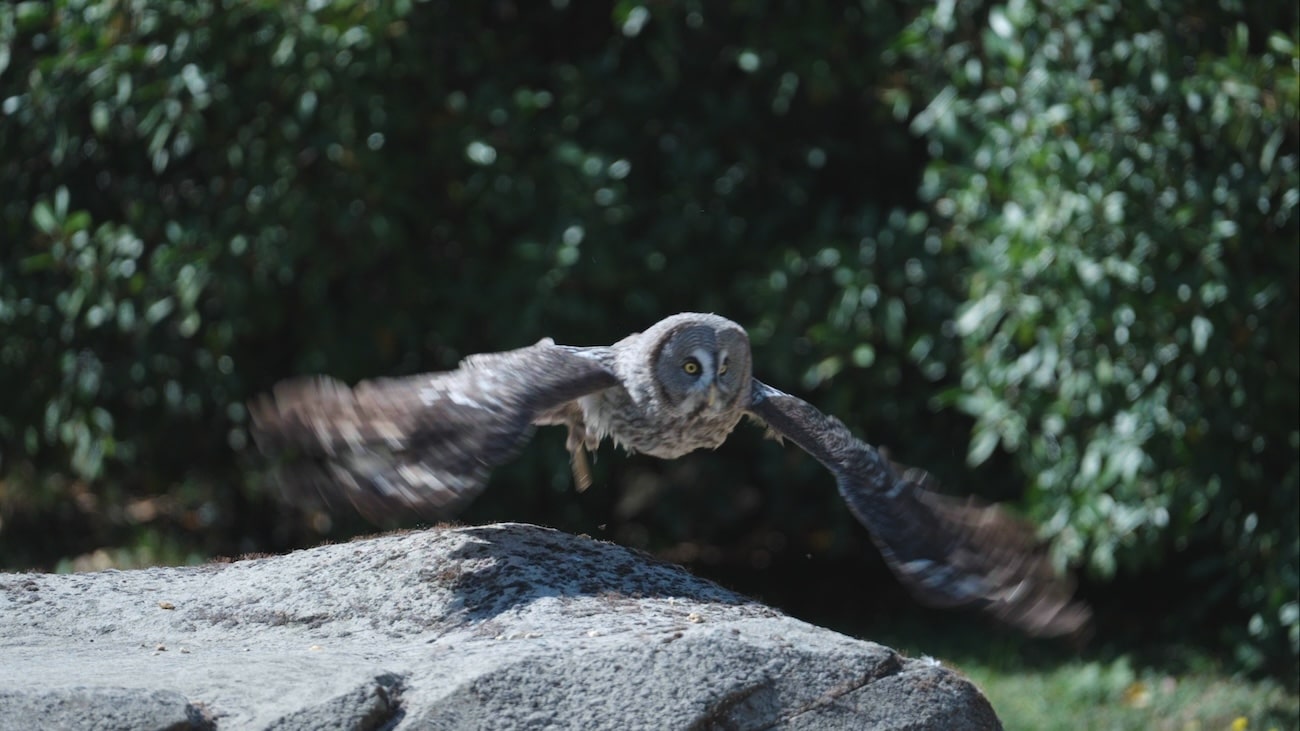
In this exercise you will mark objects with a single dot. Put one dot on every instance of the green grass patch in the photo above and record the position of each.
(1116, 695)
(1044, 686)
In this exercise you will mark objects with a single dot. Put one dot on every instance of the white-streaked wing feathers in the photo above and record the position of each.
(422, 443)
(948, 552)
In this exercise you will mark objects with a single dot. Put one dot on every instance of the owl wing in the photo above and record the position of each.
(947, 552)
(421, 443)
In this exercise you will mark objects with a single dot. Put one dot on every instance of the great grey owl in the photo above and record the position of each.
(426, 444)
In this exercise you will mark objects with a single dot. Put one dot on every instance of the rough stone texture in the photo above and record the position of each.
(493, 627)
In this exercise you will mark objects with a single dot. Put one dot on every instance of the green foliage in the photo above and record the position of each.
(1126, 181)
(200, 198)
(214, 196)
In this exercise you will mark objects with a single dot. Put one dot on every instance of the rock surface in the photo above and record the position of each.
(492, 627)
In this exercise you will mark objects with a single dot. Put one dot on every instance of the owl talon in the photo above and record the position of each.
(581, 469)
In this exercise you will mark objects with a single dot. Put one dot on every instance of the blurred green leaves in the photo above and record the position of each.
(205, 198)
(1126, 184)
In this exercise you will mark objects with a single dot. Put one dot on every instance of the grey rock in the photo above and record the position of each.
(492, 627)
(99, 708)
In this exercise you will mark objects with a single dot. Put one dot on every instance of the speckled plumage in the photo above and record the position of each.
(427, 444)
(642, 414)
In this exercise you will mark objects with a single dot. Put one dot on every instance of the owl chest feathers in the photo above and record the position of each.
(682, 385)
(640, 422)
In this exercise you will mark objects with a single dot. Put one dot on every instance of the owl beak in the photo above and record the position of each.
(713, 397)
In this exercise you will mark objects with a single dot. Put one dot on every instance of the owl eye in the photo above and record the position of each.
(691, 366)
(722, 369)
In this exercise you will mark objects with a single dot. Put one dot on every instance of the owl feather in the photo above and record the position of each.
(948, 552)
(421, 444)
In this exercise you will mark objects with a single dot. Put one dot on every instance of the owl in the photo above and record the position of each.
(427, 443)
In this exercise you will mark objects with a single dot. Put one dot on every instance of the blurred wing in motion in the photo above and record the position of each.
(948, 552)
(421, 443)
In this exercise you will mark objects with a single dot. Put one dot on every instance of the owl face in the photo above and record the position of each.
(703, 367)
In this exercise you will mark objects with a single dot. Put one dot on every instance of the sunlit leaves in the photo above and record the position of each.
(1126, 196)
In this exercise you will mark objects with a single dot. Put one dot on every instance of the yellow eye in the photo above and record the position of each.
(722, 369)
(691, 366)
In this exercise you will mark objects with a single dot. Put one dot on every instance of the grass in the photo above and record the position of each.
(1116, 695)
(1040, 686)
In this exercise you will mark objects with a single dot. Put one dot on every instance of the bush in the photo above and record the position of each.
(211, 197)
(1125, 180)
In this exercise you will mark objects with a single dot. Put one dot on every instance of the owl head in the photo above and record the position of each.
(701, 363)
